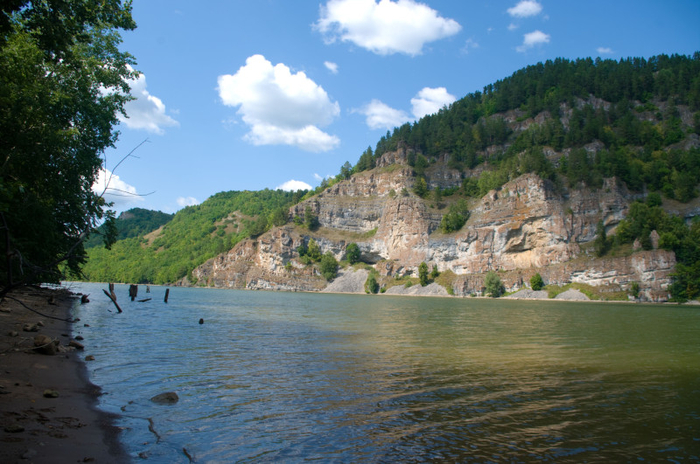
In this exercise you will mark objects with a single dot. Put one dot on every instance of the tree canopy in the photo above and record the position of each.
(63, 83)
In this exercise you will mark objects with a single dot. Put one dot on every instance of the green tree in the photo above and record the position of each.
(434, 274)
(329, 266)
(371, 284)
(536, 282)
(493, 284)
(352, 252)
(634, 289)
(456, 218)
(423, 274)
(56, 119)
(420, 188)
(314, 251)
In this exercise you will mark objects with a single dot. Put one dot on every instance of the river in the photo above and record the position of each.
(296, 377)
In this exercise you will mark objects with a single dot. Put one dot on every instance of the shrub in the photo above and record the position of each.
(371, 284)
(536, 282)
(329, 266)
(493, 284)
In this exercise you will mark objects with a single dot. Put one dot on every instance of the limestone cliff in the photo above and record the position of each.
(527, 226)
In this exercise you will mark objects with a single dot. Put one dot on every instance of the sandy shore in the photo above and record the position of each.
(34, 426)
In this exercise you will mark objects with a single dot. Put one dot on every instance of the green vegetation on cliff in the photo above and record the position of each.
(194, 235)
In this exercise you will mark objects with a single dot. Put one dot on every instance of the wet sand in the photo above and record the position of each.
(35, 427)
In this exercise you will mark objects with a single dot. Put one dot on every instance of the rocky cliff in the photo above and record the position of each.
(528, 226)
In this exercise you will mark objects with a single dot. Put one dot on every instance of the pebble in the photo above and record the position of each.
(50, 394)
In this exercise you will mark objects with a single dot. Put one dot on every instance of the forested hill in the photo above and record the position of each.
(193, 235)
(132, 223)
(574, 123)
(606, 99)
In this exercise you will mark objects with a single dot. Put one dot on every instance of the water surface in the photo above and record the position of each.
(293, 377)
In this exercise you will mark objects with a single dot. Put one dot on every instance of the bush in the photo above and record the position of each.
(493, 284)
(329, 266)
(423, 274)
(371, 284)
(536, 282)
(352, 252)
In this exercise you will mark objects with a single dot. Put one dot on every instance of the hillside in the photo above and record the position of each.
(566, 169)
(132, 223)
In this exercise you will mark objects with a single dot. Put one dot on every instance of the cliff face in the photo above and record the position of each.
(525, 227)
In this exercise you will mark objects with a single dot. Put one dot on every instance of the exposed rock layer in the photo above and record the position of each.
(527, 226)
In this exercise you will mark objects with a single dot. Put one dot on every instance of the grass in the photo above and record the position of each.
(594, 293)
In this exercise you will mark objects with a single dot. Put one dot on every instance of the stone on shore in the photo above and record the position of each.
(45, 345)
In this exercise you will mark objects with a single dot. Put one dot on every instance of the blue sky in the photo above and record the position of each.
(247, 95)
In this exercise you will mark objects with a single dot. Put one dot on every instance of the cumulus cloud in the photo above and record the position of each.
(293, 186)
(525, 9)
(115, 190)
(387, 27)
(605, 50)
(146, 111)
(279, 106)
(187, 201)
(429, 101)
(532, 39)
(379, 115)
(332, 67)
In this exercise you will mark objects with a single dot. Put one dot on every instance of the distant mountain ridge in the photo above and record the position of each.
(540, 171)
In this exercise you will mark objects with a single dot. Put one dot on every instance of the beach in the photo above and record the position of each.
(48, 408)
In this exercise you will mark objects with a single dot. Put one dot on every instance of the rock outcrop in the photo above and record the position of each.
(528, 226)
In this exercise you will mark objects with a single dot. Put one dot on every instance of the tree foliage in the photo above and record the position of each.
(371, 284)
(493, 284)
(328, 266)
(423, 276)
(536, 282)
(455, 219)
(63, 83)
(352, 252)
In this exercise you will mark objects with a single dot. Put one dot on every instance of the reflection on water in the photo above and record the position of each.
(294, 377)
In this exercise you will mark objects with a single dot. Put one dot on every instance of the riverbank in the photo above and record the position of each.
(47, 404)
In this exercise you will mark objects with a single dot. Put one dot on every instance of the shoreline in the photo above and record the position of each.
(37, 428)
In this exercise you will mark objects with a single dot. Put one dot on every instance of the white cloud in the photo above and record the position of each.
(146, 111)
(605, 50)
(429, 101)
(387, 27)
(293, 185)
(115, 190)
(512, 27)
(470, 44)
(280, 107)
(332, 67)
(382, 116)
(525, 8)
(187, 201)
(532, 39)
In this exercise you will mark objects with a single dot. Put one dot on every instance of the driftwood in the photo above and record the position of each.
(114, 300)
(133, 291)
(167, 292)
(111, 291)
(144, 300)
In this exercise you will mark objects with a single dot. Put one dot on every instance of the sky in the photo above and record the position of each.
(279, 94)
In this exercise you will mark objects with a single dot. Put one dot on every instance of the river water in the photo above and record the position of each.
(293, 377)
